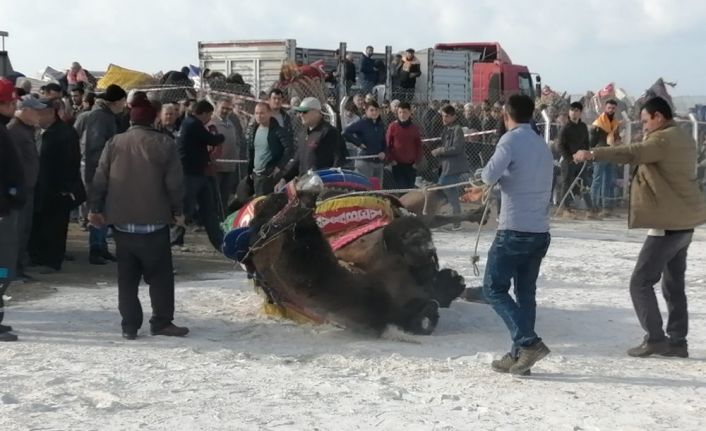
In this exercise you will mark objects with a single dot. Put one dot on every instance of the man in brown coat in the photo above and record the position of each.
(138, 188)
(664, 198)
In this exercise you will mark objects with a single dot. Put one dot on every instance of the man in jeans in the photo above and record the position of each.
(522, 166)
(452, 157)
(604, 134)
(140, 208)
(665, 198)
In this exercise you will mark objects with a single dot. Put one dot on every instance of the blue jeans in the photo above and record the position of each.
(97, 238)
(515, 256)
(452, 194)
(603, 185)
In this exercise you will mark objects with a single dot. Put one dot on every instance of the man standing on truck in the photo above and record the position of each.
(368, 70)
(408, 74)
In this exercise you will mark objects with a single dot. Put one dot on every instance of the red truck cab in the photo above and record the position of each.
(494, 76)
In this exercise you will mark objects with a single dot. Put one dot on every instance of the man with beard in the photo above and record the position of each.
(59, 189)
(604, 134)
(664, 198)
(12, 199)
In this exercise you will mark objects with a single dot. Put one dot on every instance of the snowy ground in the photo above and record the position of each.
(240, 370)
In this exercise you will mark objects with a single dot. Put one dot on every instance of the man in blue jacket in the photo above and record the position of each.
(522, 166)
(368, 134)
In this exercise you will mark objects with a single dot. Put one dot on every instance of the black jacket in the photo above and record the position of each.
(323, 148)
(408, 78)
(349, 71)
(193, 143)
(572, 138)
(59, 168)
(278, 140)
(13, 192)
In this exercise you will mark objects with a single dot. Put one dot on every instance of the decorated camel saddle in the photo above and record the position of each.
(328, 249)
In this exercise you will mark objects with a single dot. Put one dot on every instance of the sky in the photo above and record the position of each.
(574, 45)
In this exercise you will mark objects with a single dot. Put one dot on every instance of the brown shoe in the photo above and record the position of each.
(172, 330)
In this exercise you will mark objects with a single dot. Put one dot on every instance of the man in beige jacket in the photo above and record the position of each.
(664, 198)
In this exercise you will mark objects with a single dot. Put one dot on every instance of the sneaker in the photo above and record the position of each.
(529, 356)
(7, 336)
(5, 328)
(649, 348)
(504, 364)
(172, 330)
(677, 350)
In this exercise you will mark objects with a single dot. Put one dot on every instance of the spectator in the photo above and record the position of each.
(89, 99)
(59, 189)
(604, 133)
(233, 148)
(573, 137)
(664, 198)
(23, 131)
(452, 157)
(350, 74)
(280, 114)
(269, 150)
(12, 199)
(76, 74)
(522, 166)
(323, 147)
(408, 74)
(359, 102)
(404, 147)
(77, 94)
(368, 71)
(166, 123)
(140, 208)
(194, 142)
(368, 135)
(395, 69)
(97, 128)
(53, 91)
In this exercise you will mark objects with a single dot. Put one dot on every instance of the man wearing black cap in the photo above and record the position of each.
(98, 128)
(140, 209)
(58, 191)
(23, 130)
(12, 198)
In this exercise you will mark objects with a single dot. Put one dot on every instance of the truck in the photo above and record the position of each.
(458, 72)
(494, 76)
(259, 61)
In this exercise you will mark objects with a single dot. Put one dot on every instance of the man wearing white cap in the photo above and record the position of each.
(323, 146)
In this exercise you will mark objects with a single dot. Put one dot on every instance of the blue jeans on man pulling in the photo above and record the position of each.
(515, 256)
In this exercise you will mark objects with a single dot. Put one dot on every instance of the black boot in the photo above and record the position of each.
(678, 349)
(95, 257)
(107, 255)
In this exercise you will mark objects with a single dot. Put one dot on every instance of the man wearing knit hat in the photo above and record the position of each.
(140, 209)
(98, 128)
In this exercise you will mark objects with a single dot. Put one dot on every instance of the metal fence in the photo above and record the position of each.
(481, 123)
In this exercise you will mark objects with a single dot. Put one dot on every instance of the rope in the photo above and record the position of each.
(475, 258)
(571, 187)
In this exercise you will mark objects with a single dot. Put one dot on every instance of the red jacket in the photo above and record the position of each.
(404, 144)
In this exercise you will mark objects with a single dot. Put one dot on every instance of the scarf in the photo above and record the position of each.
(610, 126)
(407, 64)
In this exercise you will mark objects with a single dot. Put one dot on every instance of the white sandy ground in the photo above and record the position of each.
(240, 370)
